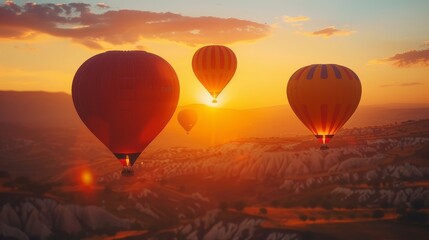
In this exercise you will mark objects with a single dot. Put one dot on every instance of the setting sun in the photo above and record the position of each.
(205, 98)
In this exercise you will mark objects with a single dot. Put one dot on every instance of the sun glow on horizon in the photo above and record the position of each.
(206, 99)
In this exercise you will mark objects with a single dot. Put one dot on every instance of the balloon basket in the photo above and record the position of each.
(127, 172)
(324, 147)
(214, 101)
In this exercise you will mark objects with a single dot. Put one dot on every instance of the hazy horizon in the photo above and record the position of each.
(211, 105)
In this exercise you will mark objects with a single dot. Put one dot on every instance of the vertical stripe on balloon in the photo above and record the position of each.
(311, 72)
(324, 116)
(349, 75)
(324, 72)
(344, 117)
(336, 71)
(212, 58)
(222, 59)
(298, 73)
(308, 119)
(354, 74)
(337, 109)
(201, 60)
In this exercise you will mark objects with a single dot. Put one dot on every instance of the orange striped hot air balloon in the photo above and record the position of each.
(324, 97)
(187, 119)
(214, 66)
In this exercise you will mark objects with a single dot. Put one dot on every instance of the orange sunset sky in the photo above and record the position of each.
(385, 42)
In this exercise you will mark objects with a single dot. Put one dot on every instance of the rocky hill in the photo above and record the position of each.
(390, 169)
(203, 191)
(38, 218)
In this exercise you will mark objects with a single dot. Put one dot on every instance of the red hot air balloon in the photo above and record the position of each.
(187, 119)
(125, 98)
(214, 66)
(324, 97)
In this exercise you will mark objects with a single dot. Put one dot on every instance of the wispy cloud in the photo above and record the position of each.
(25, 47)
(290, 19)
(402, 84)
(409, 58)
(331, 31)
(78, 22)
(102, 5)
(295, 21)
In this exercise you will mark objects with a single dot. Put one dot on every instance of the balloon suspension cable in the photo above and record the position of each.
(324, 147)
(127, 170)
(214, 97)
(324, 140)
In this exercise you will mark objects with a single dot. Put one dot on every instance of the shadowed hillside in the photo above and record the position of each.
(372, 178)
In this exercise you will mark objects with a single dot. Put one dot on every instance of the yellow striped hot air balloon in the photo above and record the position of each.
(214, 66)
(324, 97)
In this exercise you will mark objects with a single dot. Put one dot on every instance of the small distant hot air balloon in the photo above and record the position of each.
(214, 66)
(125, 98)
(187, 119)
(324, 97)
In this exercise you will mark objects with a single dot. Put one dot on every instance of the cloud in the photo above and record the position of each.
(9, 3)
(102, 5)
(402, 84)
(331, 31)
(78, 22)
(409, 84)
(290, 19)
(140, 47)
(410, 58)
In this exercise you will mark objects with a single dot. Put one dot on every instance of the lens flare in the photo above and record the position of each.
(86, 178)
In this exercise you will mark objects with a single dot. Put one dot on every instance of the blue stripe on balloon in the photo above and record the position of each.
(324, 72)
(336, 71)
(354, 74)
(311, 72)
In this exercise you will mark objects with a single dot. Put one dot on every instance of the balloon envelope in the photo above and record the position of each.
(214, 66)
(125, 98)
(324, 97)
(187, 119)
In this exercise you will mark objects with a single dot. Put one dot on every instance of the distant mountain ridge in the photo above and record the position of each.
(38, 109)
(214, 126)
